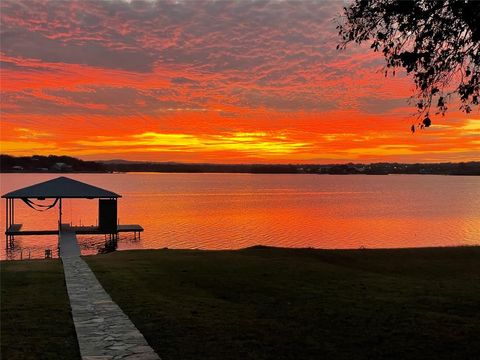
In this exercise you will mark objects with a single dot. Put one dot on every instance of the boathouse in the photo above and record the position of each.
(65, 188)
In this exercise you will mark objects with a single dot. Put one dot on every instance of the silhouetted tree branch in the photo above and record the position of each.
(436, 41)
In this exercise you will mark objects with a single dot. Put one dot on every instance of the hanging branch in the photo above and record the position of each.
(436, 42)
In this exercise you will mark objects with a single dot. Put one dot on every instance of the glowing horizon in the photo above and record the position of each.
(206, 81)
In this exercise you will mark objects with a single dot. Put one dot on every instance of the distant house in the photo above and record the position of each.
(60, 166)
(17, 168)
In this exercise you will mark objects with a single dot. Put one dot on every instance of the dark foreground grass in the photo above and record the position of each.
(300, 304)
(35, 312)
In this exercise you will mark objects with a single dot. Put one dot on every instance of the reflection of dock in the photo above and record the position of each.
(67, 239)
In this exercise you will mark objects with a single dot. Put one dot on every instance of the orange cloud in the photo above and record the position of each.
(206, 81)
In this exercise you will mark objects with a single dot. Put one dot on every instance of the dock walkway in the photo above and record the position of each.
(68, 243)
(103, 330)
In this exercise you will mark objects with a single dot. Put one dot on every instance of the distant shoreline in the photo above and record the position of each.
(66, 164)
(216, 172)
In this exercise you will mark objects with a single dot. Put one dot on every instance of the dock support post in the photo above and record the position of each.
(12, 220)
(9, 220)
(59, 223)
(60, 215)
(7, 214)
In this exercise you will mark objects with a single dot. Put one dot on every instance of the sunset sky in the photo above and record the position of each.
(207, 81)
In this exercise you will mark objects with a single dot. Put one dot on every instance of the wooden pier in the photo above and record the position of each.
(67, 236)
(16, 230)
(132, 228)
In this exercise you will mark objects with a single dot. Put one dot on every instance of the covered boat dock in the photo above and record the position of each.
(65, 188)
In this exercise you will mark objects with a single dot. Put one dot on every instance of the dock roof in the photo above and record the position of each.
(61, 187)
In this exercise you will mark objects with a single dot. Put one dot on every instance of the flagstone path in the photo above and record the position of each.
(104, 332)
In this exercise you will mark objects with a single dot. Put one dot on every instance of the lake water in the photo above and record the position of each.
(231, 211)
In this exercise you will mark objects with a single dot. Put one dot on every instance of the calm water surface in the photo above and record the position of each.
(231, 211)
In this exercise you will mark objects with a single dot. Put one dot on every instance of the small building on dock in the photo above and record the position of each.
(65, 188)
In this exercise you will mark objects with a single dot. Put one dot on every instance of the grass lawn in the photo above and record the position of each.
(35, 312)
(265, 303)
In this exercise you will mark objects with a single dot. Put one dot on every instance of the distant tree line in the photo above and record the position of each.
(199, 168)
(51, 163)
(69, 164)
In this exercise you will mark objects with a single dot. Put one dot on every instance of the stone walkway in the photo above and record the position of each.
(104, 332)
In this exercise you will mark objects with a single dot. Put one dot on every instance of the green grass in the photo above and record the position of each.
(35, 312)
(261, 303)
(300, 304)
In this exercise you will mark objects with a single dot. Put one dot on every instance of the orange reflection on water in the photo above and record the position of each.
(230, 211)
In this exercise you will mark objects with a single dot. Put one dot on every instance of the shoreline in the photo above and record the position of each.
(273, 248)
(226, 172)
